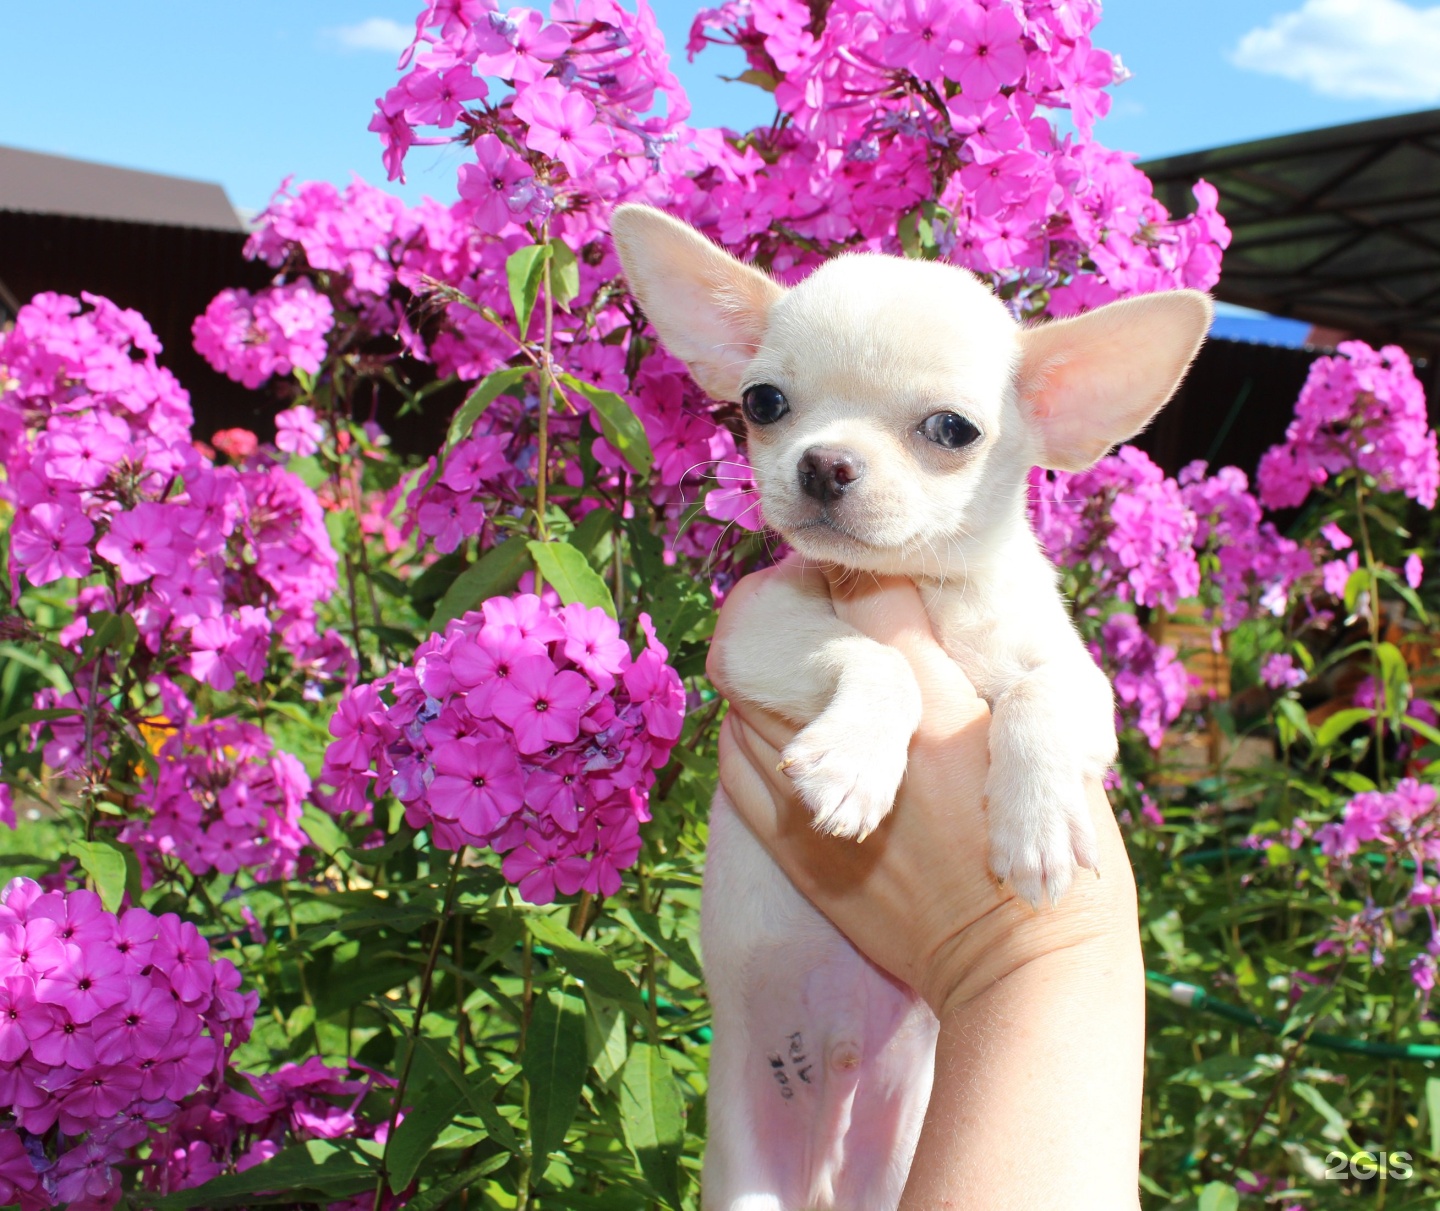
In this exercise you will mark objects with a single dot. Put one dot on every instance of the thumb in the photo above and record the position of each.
(890, 610)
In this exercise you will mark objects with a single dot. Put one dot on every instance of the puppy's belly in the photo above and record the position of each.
(821, 1064)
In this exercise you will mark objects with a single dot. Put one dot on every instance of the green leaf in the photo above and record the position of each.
(330, 1170)
(523, 271)
(1403, 590)
(1395, 675)
(1334, 1120)
(494, 573)
(555, 1065)
(1432, 1108)
(592, 528)
(618, 423)
(478, 1088)
(320, 827)
(1219, 1196)
(1310, 1008)
(1294, 715)
(306, 719)
(1422, 728)
(299, 1021)
(433, 1107)
(677, 949)
(571, 574)
(1357, 583)
(490, 388)
(104, 862)
(1339, 723)
(607, 1038)
(438, 1195)
(760, 79)
(564, 274)
(106, 632)
(587, 963)
(35, 715)
(652, 1114)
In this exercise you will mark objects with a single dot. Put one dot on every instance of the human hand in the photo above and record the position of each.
(1042, 1012)
(917, 898)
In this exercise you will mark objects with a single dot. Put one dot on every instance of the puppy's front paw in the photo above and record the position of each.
(846, 772)
(1039, 835)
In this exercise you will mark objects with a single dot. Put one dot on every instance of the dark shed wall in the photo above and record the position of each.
(168, 274)
(1233, 406)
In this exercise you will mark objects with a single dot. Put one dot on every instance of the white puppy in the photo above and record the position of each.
(894, 409)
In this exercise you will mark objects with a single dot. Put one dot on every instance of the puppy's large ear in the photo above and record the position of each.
(1091, 382)
(708, 308)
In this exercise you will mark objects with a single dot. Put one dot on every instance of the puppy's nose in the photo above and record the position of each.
(825, 474)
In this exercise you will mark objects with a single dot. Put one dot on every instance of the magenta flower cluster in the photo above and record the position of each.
(892, 106)
(525, 728)
(1362, 409)
(246, 1122)
(224, 798)
(106, 1024)
(1126, 521)
(1151, 683)
(1404, 819)
(252, 337)
(1125, 529)
(220, 570)
(211, 562)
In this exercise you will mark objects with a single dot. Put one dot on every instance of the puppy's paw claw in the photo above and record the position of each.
(1038, 840)
(848, 784)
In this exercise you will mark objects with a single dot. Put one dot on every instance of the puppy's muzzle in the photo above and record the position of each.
(826, 474)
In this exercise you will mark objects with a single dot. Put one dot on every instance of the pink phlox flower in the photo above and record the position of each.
(33, 949)
(495, 185)
(1279, 672)
(185, 957)
(561, 124)
(139, 543)
(298, 432)
(593, 644)
(49, 541)
(476, 784)
(519, 46)
(90, 981)
(541, 704)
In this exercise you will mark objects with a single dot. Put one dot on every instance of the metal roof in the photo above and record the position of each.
(1340, 227)
(40, 184)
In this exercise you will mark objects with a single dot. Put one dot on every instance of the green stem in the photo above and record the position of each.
(427, 980)
(294, 940)
(547, 391)
(525, 1177)
(1377, 670)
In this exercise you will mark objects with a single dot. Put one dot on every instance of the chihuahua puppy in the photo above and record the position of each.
(894, 409)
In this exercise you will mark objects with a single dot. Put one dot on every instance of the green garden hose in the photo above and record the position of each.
(1180, 993)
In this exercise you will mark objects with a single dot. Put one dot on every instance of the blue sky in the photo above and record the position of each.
(245, 94)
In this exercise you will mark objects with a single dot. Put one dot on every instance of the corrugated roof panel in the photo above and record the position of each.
(40, 184)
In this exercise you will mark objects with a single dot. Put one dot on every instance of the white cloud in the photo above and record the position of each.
(374, 33)
(1384, 50)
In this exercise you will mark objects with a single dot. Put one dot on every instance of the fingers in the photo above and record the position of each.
(746, 778)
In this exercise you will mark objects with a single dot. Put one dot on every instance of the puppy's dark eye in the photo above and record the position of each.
(764, 404)
(949, 429)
